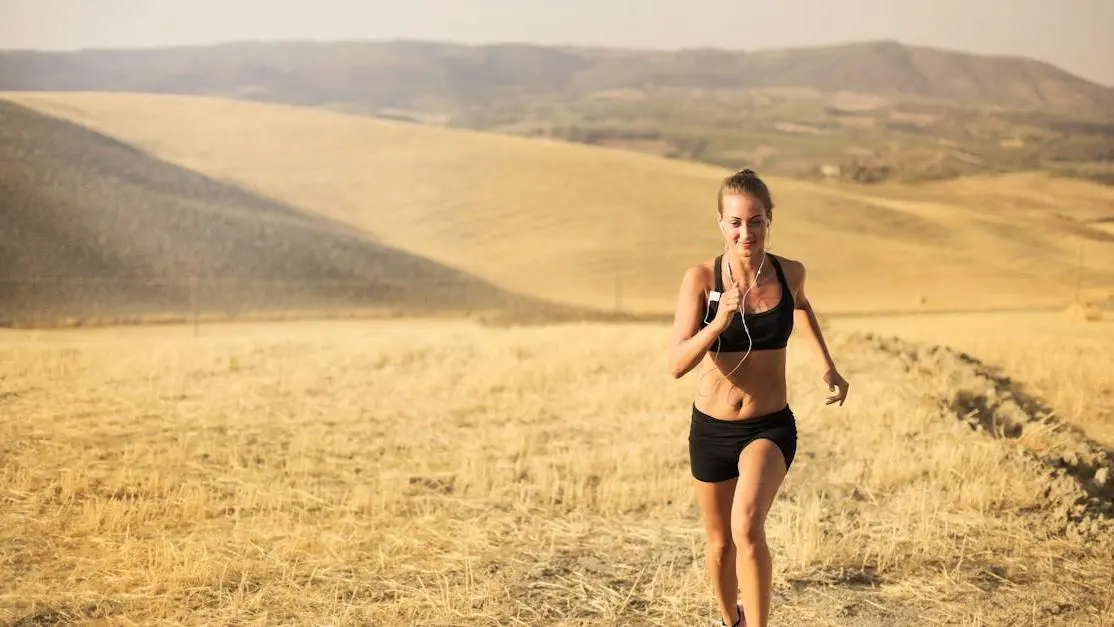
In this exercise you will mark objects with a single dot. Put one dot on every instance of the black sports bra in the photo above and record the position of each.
(769, 330)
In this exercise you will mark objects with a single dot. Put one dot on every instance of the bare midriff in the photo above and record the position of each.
(755, 388)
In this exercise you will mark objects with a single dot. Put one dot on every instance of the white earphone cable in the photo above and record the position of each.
(742, 315)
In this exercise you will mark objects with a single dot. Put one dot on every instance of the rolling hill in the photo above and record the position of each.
(603, 228)
(93, 230)
(868, 111)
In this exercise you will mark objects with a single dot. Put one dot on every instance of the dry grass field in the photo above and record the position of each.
(439, 471)
(1065, 361)
(442, 473)
(610, 228)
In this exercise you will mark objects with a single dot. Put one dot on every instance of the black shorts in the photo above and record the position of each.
(715, 445)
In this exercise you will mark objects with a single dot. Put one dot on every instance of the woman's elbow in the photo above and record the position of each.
(674, 367)
(677, 368)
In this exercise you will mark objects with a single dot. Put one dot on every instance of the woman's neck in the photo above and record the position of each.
(744, 270)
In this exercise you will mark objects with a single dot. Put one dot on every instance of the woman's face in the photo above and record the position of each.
(744, 224)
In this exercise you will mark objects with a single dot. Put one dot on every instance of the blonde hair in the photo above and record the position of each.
(745, 181)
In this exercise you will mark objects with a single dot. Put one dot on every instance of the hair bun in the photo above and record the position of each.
(746, 172)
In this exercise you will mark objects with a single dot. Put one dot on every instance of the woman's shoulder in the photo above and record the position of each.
(700, 276)
(794, 270)
(787, 263)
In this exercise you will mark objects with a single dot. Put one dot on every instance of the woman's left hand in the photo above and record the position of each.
(836, 382)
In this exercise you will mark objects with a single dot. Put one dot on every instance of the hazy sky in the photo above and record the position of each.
(1073, 34)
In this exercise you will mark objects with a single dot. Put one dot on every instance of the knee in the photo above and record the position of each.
(719, 547)
(748, 531)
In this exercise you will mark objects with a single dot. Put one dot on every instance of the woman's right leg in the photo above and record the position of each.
(714, 501)
(762, 470)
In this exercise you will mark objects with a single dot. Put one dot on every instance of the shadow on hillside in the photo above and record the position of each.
(95, 231)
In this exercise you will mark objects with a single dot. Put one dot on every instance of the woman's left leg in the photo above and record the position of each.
(762, 468)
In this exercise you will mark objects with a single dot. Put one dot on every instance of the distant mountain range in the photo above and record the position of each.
(431, 76)
(868, 112)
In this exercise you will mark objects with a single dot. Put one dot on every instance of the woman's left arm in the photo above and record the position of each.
(806, 319)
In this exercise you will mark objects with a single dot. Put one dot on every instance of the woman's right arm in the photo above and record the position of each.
(690, 342)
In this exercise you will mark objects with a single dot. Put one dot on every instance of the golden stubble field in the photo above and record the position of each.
(1052, 356)
(442, 473)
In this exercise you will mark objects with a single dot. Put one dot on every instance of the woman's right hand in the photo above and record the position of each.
(728, 307)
